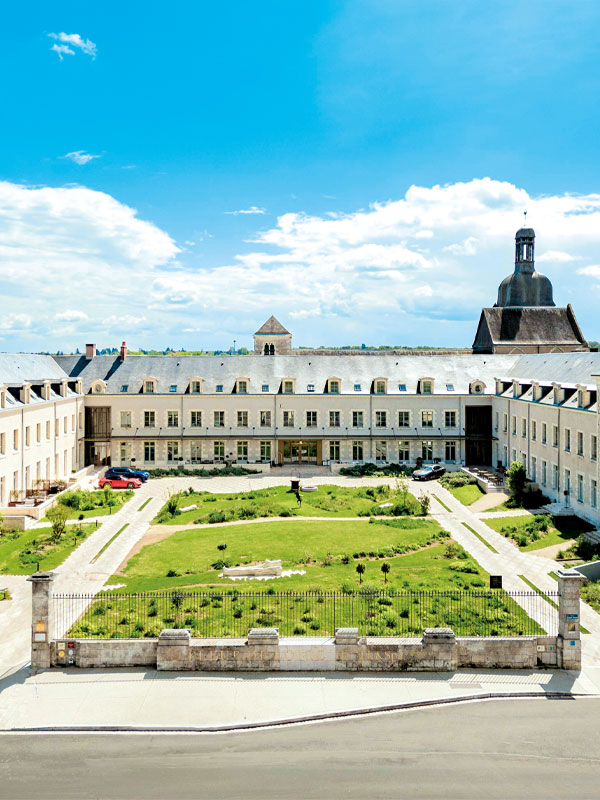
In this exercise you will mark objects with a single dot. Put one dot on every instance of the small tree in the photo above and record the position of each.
(402, 489)
(385, 568)
(58, 515)
(360, 568)
(516, 478)
(425, 502)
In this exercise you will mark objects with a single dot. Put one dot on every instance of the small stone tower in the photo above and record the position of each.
(525, 287)
(272, 339)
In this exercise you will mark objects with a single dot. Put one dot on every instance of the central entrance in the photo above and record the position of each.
(299, 452)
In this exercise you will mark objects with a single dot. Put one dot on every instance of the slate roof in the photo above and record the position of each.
(20, 368)
(573, 368)
(272, 327)
(527, 326)
(457, 371)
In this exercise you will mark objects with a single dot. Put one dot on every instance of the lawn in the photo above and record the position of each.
(97, 503)
(467, 494)
(20, 551)
(327, 501)
(560, 530)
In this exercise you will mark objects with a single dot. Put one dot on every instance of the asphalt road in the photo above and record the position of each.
(498, 749)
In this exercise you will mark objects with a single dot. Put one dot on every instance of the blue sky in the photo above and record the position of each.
(317, 117)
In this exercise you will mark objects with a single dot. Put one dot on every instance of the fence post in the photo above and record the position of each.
(42, 627)
(569, 636)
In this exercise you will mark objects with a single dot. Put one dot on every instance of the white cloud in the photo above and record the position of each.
(74, 39)
(71, 315)
(62, 50)
(556, 257)
(80, 157)
(593, 270)
(15, 323)
(251, 210)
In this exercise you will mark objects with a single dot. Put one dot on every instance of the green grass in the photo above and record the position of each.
(20, 551)
(110, 541)
(5, 595)
(144, 504)
(562, 530)
(410, 545)
(480, 537)
(327, 501)
(97, 496)
(467, 494)
(441, 502)
(553, 575)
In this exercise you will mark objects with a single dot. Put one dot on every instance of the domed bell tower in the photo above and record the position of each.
(525, 287)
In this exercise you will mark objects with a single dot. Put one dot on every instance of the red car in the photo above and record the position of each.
(120, 483)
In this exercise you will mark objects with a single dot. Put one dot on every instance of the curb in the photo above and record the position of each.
(248, 726)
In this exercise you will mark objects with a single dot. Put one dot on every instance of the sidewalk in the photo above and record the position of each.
(149, 700)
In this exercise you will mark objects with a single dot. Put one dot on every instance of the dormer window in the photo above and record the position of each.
(288, 387)
(379, 386)
(98, 387)
(149, 386)
(242, 386)
(195, 387)
(476, 387)
(333, 386)
(425, 386)
(3, 398)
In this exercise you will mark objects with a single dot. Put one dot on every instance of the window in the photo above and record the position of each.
(219, 387)
(126, 419)
(219, 451)
(544, 473)
(514, 426)
(594, 447)
(450, 454)
(380, 451)
(310, 387)
(265, 451)
(311, 419)
(242, 419)
(505, 422)
(496, 420)
(357, 387)
(534, 469)
(47, 429)
(149, 388)
(172, 451)
(288, 387)
(580, 489)
(172, 419)
(149, 452)
(533, 430)
(124, 387)
(124, 452)
(594, 493)
(381, 419)
(357, 419)
(379, 387)
(403, 419)
(403, 451)
(334, 387)
(427, 419)
(72, 422)
(401, 387)
(28, 435)
(567, 440)
(15, 439)
(56, 430)
(523, 428)
(196, 419)
(288, 419)
(65, 424)
(173, 387)
(242, 387)
(334, 451)
(334, 419)
(149, 419)
(554, 436)
(265, 387)
(544, 433)
(579, 443)
(195, 387)
(449, 387)
(568, 481)
(242, 451)
(196, 452)
(426, 387)
(427, 451)
(357, 451)
(38, 432)
(450, 419)
(219, 419)
(265, 419)
(2, 444)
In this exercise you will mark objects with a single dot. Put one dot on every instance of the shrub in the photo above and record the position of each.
(452, 550)
(285, 513)
(314, 625)
(172, 573)
(347, 588)
(516, 478)
(222, 546)
(299, 630)
(216, 517)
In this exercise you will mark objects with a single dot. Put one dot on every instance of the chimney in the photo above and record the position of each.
(90, 351)
(123, 352)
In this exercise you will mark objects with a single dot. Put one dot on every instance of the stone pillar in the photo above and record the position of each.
(173, 651)
(568, 645)
(42, 620)
(440, 649)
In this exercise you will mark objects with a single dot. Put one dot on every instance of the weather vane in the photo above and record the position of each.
(525, 218)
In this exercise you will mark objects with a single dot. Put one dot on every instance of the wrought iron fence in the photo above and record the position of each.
(231, 613)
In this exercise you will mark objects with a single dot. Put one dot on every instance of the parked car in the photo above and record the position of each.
(127, 472)
(429, 473)
(120, 482)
